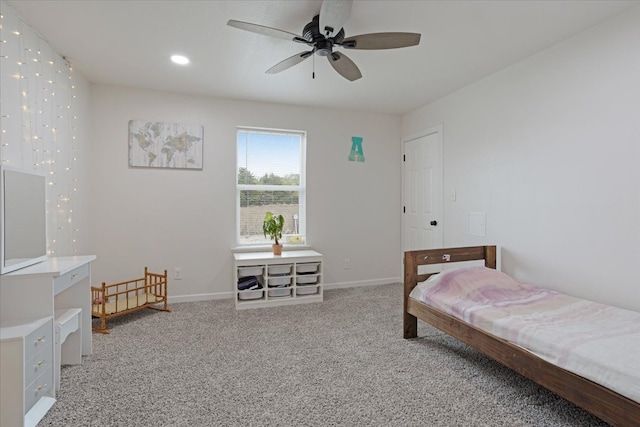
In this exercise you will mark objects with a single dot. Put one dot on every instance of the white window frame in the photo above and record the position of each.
(301, 189)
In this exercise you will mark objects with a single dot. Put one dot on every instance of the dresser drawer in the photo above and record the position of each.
(72, 277)
(37, 340)
(38, 364)
(38, 388)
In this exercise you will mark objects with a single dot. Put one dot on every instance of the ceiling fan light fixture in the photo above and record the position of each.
(179, 59)
(324, 47)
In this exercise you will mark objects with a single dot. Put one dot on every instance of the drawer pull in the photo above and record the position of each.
(41, 387)
(41, 339)
(39, 363)
(73, 276)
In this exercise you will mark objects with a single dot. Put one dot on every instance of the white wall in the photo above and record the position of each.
(44, 127)
(550, 149)
(186, 218)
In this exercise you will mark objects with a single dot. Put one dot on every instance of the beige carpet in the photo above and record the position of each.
(339, 363)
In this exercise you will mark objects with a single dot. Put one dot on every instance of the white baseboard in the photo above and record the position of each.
(200, 297)
(327, 286)
(343, 285)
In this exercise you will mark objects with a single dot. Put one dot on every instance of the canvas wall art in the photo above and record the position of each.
(165, 145)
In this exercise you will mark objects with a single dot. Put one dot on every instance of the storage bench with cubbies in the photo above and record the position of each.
(265, 280)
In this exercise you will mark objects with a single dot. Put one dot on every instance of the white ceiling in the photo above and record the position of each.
(128, 43)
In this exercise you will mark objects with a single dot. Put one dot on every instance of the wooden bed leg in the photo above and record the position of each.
(410, 324)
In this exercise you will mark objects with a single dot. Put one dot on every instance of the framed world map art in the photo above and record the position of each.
(165, 145)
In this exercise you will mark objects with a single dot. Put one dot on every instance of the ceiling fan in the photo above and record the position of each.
(324, 33)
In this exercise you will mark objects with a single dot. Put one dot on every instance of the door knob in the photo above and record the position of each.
(434, 223)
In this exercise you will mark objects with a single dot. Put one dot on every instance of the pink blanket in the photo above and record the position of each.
(596, 341)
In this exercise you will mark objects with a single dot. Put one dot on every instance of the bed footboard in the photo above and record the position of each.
(112, 300)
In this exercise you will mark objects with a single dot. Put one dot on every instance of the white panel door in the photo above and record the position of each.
(422, 193)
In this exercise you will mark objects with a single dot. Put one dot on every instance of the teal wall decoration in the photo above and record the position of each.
(356, 154)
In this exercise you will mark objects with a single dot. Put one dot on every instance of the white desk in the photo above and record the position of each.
(38, 290)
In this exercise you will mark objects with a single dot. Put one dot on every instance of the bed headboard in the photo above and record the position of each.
(414, 259)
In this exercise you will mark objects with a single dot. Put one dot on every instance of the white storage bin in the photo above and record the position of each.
(307, 267)
(307, 290)
(311, 279)
(279, 269)
(253, 270)
(279, 281)
(247, 295)
(279, 292)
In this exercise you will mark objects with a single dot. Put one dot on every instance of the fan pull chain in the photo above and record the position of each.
(313, 72)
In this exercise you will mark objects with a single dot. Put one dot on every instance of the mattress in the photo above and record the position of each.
(596, 341)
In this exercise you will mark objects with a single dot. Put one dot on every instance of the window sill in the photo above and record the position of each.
(267, 248)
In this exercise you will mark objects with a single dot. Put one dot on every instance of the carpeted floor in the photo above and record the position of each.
(339, 363)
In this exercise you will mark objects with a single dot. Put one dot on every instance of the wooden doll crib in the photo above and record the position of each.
(116, 299)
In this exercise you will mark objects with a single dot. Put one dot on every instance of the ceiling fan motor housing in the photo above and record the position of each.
(323, 46)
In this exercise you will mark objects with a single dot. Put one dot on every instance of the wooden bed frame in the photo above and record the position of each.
(113, 300)
(594, 398)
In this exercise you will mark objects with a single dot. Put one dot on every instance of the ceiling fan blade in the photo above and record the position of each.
(333, 15)
(344, 66)
(289, 62)
(381, 41)
(265, 31)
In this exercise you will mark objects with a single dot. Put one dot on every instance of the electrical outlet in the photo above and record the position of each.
(347, 263)
(177, 273)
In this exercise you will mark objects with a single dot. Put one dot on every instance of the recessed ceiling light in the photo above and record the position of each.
(180, 60)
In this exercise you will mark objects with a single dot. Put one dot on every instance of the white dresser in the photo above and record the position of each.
(29, 300)
(26, 369)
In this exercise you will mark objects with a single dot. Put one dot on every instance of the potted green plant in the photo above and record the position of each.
(272, 227)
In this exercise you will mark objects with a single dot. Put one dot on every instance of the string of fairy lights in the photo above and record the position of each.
(39, 123)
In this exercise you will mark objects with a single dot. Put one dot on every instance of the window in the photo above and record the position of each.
(270, 177)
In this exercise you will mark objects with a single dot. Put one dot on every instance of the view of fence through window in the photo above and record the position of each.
(270, 177)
